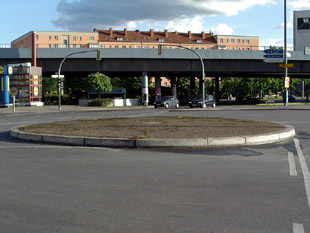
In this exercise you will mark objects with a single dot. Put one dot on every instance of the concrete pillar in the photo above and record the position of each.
(145, 89)
(174, 86)
(157, 88)
(217, 89)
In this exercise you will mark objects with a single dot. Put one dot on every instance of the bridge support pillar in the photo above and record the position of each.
(157, 88)
(174, 86)
(145, 89)
(217, 89)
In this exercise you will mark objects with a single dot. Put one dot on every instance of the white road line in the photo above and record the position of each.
(298, 228)
(304, 168)
(292, 165)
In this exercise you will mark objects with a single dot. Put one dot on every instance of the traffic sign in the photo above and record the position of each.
(286, 65)
(273, 60)
(274, 56)
(273, 51)
(56, 76)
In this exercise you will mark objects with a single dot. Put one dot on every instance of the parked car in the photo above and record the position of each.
(167, 101)
(197, 101)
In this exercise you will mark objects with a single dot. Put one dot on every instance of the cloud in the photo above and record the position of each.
(299, 4)
(185, 24)
(277, 43)
(84, 15)
(222, 29)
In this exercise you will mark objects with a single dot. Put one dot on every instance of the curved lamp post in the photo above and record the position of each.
(160, 52)
(59, 81)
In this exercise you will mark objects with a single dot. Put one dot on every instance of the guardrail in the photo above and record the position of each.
(146, 46)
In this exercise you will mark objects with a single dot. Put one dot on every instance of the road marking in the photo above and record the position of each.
(292, 165)
(304, 168)
(298, 228)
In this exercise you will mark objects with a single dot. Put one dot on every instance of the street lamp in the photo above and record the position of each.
(160, 52)
(285, 54)
(59, 80)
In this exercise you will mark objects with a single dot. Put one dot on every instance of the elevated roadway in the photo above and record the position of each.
(174, 62)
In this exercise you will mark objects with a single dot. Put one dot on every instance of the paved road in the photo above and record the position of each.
(50, 188)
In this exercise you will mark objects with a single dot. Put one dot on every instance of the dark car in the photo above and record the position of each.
(167, 101)
(197, 101)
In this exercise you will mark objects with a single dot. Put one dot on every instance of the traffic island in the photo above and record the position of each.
(179, 131)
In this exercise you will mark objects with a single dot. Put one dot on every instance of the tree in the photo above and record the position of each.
(133, 85)
(49, 85)
(98, 82)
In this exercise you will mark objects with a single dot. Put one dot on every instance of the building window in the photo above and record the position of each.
(74, 38)
(37, 37)
(227, 40)
(119, 38)
(146, 47)
(232, 40)
(161, 40)
(199, 41)
(116, 46)
(124, 46)
(222, 40)
(80, 38)
(49, 37)
(102, 46)
(248, 41)
(303, 23)
(91, 38)
(56, 37)
(238, 41)
(137, 46)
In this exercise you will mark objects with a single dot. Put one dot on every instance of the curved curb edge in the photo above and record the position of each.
(285, 134)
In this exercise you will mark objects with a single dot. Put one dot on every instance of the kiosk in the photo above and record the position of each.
(26, 85)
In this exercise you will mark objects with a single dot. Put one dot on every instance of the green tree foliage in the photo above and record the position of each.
(98, 82)
(49, 85)
(133, 85)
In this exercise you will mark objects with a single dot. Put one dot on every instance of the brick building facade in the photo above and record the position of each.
(135, 39)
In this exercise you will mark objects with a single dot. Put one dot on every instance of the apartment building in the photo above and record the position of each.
(57, 39)
(135, 39)
(150, 39)
(231, 42)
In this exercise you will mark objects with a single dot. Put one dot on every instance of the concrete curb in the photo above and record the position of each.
(282, 135)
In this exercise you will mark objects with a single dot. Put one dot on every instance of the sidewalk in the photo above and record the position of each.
(67, 108)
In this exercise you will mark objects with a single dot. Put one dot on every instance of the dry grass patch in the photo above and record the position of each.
(155, 127)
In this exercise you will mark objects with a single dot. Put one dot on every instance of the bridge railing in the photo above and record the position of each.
(151, 46)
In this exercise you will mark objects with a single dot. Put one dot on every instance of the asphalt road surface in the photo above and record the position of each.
(51, 188)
